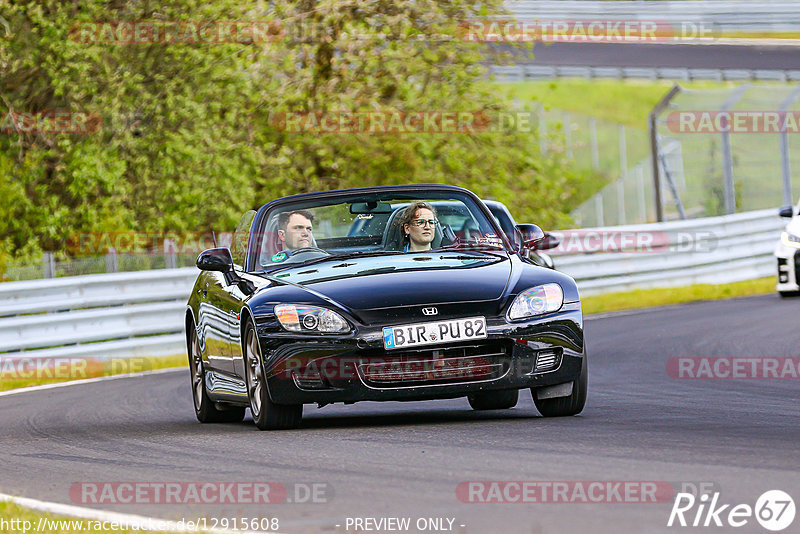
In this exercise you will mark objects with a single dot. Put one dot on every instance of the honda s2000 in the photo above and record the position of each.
(376, 294)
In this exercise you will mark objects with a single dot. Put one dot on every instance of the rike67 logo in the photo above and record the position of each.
(774, 510)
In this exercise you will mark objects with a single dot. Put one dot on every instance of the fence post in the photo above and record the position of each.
(654, 152)
(598, 208)
(170, 257)
(593, 141)
(728, 185)
(542, 131)
(48, 265)
(112, 265)
(640, 190)
(620, 201)
(786, 171)
(567, 120)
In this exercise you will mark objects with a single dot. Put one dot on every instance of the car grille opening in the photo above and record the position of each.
(309, 379)
(437, 366)
(547, 360)
(783, 270)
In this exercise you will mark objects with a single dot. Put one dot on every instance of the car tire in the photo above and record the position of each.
(494, 400)
(565, 406)
(789, 294)
(204, 408)
(266, 414)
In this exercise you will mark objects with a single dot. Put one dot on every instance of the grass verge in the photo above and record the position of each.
(20, 373)
(622, 101)
(15, 519)
(652, 298)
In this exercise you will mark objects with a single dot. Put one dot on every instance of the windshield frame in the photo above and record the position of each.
(262, 216)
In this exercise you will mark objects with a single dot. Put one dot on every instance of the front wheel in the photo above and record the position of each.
(266, 414)
(204, 408)
(571, 404)
(789, 294)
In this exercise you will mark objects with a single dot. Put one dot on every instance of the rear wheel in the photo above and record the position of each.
(789, 294)
(494, 400)
(204, 408)
(266, 414)
(571, 404)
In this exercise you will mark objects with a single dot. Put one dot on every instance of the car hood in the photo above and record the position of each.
(392, 282)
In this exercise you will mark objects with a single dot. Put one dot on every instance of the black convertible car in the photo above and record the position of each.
(380, 293)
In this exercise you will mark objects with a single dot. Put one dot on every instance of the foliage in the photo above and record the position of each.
(185, 136)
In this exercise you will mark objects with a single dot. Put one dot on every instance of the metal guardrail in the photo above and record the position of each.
(727, 15)
(102, 316)
(140, 313)
(712, 250)
(533, 72)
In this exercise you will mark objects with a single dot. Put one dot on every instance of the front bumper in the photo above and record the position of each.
(536, 353)
(788, 263)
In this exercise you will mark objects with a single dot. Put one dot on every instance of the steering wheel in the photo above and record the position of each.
(305, 253)
(302, 250)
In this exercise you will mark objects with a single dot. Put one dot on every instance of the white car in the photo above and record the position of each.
(788, 254)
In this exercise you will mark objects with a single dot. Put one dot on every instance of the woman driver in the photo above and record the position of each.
(419, 226)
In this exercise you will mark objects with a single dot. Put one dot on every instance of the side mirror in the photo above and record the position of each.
(549, 241)
(215, 259)
(786, 212)
(531, 234)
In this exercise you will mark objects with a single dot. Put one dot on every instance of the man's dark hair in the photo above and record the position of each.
(283, 218)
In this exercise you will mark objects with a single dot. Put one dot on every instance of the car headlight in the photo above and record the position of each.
(302, 318)
(536, 301)
(790, 240)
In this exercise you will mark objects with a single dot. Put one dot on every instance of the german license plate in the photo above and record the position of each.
(437, 332)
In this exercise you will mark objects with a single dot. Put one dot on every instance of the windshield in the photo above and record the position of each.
(376, 224)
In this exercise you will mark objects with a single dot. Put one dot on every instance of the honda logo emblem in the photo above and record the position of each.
(430, 311)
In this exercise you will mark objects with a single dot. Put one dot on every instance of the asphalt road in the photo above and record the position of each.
(407, 459)
(778, 57)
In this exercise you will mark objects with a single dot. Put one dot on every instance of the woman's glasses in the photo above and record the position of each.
(423, 222)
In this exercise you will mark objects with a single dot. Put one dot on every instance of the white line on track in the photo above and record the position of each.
(89, 381)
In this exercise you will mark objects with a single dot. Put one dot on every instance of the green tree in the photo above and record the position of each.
(189, 137)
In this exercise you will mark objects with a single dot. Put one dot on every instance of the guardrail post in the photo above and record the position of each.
(48, 265)
(593, 141)
(112, 264)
